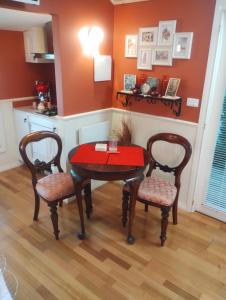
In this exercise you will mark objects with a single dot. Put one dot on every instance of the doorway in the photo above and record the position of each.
(210, 193)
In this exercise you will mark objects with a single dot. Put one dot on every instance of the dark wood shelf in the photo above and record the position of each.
(173, 104)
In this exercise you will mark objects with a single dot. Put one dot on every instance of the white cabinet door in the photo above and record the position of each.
(34, 42)
(22, 128)
(46, 149)
(22, 124)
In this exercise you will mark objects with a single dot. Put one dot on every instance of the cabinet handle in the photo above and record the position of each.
(25, 120)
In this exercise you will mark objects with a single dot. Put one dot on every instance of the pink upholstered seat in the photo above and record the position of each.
(55, 186)
(157, 190)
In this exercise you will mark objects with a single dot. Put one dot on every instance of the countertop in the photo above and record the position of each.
(31, 110)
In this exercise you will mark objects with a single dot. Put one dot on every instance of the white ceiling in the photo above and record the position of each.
(18, 20)
(117, 2)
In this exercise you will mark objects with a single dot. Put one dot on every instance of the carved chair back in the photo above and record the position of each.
(173, 139)
(36, 167)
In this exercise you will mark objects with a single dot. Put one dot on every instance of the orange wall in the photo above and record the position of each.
(16, 76)
(192, 16)
(76, 90)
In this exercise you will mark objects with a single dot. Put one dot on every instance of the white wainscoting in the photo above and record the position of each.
(2, 134)
(144, 126)
(8, 150)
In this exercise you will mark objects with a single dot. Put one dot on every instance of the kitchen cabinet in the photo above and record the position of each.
(34, 42)
(38, 41)
(27, 122)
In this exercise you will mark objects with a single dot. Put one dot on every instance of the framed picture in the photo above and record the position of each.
(162, 56)
(144, 59)
(148, 36)
(131, 46)
(182, 45)
(172, 87)
(129, 82)
(166, 32)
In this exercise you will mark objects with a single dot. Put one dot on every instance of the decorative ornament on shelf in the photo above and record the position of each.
(164, 83)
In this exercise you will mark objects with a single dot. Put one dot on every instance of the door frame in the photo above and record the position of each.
(220, 8)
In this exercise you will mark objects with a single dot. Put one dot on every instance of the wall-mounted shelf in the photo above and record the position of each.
(174, 104)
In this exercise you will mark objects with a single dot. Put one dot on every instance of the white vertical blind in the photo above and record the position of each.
(216, 194)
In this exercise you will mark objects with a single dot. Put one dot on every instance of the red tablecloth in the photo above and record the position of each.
(126, 155)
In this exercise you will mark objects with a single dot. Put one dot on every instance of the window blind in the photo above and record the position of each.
(216, 194)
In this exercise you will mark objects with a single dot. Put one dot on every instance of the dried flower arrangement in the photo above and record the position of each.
(125, 133)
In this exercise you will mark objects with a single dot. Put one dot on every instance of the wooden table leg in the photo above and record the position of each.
(78, 193)
(134, 185)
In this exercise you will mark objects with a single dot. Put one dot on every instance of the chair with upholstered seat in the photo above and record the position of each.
(155, 191)
(54, 187)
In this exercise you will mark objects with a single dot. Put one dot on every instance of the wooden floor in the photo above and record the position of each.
(192, 265)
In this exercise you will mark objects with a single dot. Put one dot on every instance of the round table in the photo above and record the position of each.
(132, 175)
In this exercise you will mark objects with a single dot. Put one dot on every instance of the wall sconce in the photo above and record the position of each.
(90, 38)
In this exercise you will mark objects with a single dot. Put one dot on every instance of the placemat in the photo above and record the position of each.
(126, 156)
(86, 154)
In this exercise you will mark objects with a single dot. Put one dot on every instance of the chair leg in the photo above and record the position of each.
(146, 207)
(164, 224)
(125, 207)
(174, 211)
(54, 218)
(88, 199)
(82, 233)
(37, 206)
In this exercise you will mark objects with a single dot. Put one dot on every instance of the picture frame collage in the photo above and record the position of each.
(158, 45)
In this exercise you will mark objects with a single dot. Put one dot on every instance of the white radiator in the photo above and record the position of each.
(95, 132)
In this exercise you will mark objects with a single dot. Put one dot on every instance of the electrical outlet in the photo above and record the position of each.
(193, 102)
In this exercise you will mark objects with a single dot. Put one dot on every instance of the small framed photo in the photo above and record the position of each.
(129, 82)
(162, 56)
(148, 36)
(144, 59)
(172, 87)
(182, 45)
(131, 45)
(166, 32)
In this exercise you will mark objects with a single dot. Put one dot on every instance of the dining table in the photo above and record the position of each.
(128, 163)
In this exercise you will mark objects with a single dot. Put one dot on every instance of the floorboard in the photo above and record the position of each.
(192, 265)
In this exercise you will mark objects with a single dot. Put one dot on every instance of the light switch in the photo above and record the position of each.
(193, 102)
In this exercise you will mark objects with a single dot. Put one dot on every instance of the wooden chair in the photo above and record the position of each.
(55, 187)
(155, 191)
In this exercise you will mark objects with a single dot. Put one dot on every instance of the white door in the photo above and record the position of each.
(210, 194)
